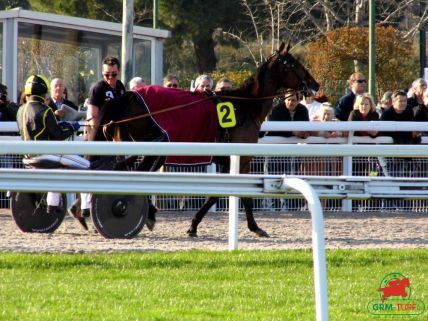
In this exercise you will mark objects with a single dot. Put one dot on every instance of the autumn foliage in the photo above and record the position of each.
(331, 59)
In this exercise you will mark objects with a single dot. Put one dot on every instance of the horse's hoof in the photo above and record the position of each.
(261, 233)
(192, 233)
(150, 224)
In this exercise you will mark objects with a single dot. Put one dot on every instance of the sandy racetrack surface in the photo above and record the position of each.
(287, 231)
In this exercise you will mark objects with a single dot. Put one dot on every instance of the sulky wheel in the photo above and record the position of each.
(29, 212)
(119, 216)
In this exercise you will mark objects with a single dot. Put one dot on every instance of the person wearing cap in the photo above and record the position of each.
(385, 103)
(289, 109)
(357, 86)
(37, 121)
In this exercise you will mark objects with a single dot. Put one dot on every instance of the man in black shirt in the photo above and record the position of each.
(104, 90)
(400, 112)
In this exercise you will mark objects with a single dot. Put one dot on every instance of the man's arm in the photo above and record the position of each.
(92, 113)
(55, 131)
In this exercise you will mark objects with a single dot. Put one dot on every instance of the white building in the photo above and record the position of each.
(71, 48)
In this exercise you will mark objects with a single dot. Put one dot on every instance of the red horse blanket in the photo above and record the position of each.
(194, 119)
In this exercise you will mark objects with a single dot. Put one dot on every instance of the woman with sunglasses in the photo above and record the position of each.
(104, 90)
(170, 81)
(357, 86)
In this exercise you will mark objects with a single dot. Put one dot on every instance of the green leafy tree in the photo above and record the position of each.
(331, 59)
(193, 23)
(10, 4)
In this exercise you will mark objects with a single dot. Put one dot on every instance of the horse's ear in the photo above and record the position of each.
(288, 47)
(281, 47)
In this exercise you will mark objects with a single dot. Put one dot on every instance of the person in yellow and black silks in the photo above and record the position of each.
(37, 121)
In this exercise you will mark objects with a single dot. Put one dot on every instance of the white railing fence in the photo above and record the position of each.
(300, 165)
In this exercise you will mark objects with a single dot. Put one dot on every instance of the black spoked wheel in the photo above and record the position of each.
(119, 216)
(29, 211)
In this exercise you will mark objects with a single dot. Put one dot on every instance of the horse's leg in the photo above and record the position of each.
(248, 202)
(251, 222)
(193, 230)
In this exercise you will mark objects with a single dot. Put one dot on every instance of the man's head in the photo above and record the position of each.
(136, 82)
(358, 83)
(204, 82)
(170, 81)
(386, 100)
(291, 99)
(36, 85)
(110, 70)
(419, 86)
(57, 89)
(399, 101)
(223, 84)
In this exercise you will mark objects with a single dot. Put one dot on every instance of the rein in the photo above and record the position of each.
(154, 113)
(182, 106)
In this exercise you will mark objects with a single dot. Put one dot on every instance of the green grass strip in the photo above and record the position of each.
(199, 285)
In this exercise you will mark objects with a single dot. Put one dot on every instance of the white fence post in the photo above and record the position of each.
(318, 247)
(233, 208)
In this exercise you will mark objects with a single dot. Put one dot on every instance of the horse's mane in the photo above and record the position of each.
(252, 87)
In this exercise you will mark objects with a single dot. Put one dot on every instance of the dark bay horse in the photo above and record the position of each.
(252, 102)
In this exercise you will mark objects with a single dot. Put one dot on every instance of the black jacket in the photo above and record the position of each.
(281, 113)
(400, 137)
(345, 106)
(36, 121)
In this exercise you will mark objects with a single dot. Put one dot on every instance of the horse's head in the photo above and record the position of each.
(288, 72)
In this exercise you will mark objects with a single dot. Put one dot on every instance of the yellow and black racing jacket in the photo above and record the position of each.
(36, 121)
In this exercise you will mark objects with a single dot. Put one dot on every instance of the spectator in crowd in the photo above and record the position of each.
(415, 94)
(400, 112)
(8, 112)
(171, 81)
(106, 89)
(224, 84)
(202, 83)
(37, 121)
(384, 103)
(313, 106)
(399, 166)
(364, 110)
(136, 82)
(57, 98)
(289, 109)
(326, 113)
(421, 111)
(8, 109)
(357, 86)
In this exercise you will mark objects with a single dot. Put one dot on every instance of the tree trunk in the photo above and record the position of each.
(205, 55)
